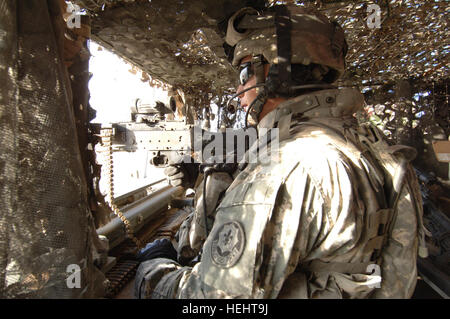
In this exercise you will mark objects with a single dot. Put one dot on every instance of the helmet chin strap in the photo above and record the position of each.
(256, 107)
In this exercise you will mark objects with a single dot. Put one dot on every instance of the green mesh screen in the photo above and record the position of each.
(45, 222)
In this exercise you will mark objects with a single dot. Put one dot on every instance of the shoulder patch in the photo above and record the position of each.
(228, 244)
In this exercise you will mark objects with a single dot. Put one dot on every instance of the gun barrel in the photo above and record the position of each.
(139, 214)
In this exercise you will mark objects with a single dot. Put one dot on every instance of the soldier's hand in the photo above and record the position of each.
(182, 173)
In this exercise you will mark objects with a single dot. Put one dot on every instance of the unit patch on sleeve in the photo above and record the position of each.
(228, 244)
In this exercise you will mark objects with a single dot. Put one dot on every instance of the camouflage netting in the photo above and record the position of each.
(180, 43)
(413, 113)
(176, 42)
(410, 43)
(45, 224)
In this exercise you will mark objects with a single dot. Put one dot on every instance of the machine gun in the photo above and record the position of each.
(153, 128)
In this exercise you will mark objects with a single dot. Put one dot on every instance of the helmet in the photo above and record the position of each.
(313, 38)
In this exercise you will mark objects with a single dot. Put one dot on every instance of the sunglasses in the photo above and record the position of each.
(245, 72)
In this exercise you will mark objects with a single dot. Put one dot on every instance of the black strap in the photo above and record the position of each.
(283, 30)
(256, 107)
(258, 66)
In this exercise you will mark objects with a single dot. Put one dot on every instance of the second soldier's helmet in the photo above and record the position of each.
(296, 34)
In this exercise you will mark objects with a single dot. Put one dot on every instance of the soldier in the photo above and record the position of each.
(338, 214)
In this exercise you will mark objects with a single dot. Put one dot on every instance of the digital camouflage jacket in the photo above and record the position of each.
(333, 215)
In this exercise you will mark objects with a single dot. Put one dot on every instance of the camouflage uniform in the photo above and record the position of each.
(306, 225)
